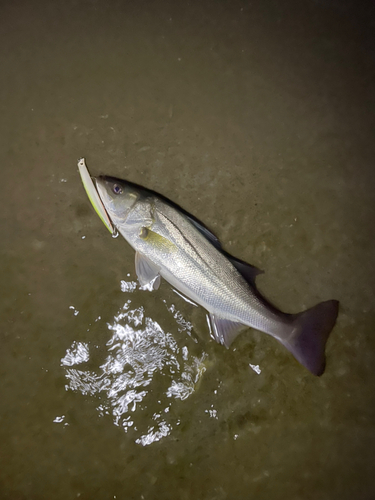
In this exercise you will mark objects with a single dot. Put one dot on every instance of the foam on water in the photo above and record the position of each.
(138, 351)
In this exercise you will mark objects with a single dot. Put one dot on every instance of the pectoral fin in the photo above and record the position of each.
(156, 240)
(224, 330)
(146, 271)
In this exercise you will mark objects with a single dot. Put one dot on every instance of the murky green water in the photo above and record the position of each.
(258, 119)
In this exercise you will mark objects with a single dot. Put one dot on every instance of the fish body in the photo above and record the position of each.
(171, 244)
(185, 258)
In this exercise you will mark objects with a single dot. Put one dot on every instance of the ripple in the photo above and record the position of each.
(144, 369)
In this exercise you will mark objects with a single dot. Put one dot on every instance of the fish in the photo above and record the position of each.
(172, 244)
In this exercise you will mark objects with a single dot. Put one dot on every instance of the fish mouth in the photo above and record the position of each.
(93, 194)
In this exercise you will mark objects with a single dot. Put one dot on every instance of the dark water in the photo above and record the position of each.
(259, 119)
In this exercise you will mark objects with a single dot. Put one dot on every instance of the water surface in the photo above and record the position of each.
(256, 117)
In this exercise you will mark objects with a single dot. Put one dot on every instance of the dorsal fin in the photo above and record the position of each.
(248, 271)
(206, 232)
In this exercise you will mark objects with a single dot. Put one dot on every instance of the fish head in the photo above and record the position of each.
(117, 196)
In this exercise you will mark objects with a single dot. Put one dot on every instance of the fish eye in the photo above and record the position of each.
(117, 189)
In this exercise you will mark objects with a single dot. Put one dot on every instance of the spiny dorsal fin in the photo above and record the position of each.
(206, 232)
(248, 271)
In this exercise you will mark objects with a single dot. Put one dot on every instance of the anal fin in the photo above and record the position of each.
(224, 330)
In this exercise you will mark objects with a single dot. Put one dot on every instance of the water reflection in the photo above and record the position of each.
(144, 370)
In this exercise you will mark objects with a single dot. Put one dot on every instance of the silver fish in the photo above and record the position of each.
(171, 244)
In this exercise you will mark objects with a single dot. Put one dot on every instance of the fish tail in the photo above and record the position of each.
(311, 329)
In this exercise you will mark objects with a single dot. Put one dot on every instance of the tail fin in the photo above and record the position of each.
(310, 334)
